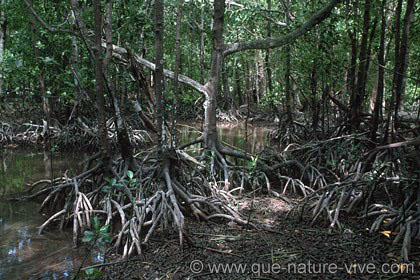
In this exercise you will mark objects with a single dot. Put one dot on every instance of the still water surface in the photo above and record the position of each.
(23, 253)
(26, 255)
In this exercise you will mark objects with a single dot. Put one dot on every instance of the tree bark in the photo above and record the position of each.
(202, 47)
(42, 83)
(159, 81)
(75, 65)
(287, 78)
(351, 74)
(260, 76)
(226, 92)
(210, 104)
(357, 102)
(380, 85)
(2, 39)
(267, 54)
(314, 99)
(177, 67)
(99, 87)
(401, 53)
(401, 63)
(237, 83)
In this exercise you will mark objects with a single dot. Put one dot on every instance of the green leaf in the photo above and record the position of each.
(96, 223)
(106, 188)
(105, 237)
(104, 229)
(88, 236)
(93, 273)
(130, 174)
(113, 181)
(118, 186)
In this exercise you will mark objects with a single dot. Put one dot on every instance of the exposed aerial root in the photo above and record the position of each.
(376, 182)
(136, 203)
(78, 134)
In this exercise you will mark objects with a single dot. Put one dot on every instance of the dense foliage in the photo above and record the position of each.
(339, 78)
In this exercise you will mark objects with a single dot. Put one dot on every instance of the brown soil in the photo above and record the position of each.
(296, 251)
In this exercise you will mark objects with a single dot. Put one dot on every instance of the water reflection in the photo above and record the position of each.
(26, 255)
(251, 139)
(18, 168)
(23, 253)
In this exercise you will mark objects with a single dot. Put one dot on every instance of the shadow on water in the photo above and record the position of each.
(23, 253)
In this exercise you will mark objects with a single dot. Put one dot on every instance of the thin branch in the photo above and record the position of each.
(44, 24)
(286, 39)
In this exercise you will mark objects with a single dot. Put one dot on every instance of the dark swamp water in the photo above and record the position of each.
(26, 255)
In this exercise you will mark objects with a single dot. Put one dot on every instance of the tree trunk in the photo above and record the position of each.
(226, 92)
(356, 106)
(248, 88)
(267, 54)
(237, 83)
(147, 9)
(314, 99)
(210, 105)
(401, 53)
(124, 144)
(219, 50)
(75, 65)
(99, 88)
(159, 81)
(288, 89)
(260, 76)
(351, 74)
(202, 47)
(2, 39)
(401, 63)
(42, 84)
(380, 78)
(176, 69)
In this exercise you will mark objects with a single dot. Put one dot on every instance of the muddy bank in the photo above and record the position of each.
(296, 251)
